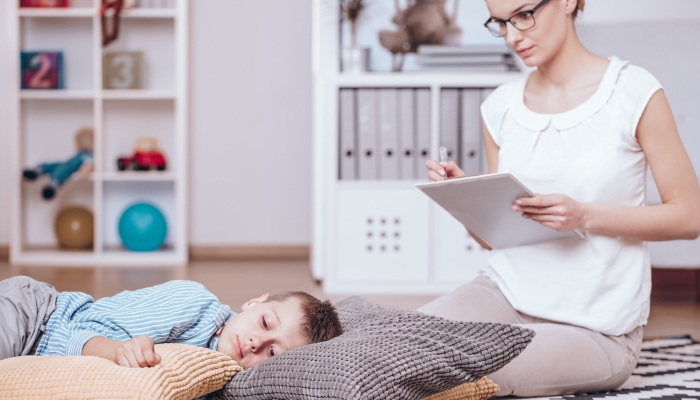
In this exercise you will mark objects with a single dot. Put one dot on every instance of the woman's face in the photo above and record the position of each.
(537, 45)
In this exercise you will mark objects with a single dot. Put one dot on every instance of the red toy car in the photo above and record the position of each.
(146, 156)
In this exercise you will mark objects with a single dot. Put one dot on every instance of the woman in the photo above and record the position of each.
(580, 131)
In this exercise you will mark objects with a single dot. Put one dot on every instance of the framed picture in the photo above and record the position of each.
(123, 70)
(44, 3)
(42, 69)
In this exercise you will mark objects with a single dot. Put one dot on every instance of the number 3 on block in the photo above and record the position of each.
(122, 70)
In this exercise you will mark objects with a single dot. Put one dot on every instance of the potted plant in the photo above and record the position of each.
(353, 59)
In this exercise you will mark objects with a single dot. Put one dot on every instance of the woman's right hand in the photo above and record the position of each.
(438, 171)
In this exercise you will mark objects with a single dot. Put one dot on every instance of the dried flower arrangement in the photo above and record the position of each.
(350, 11)
(421, 22)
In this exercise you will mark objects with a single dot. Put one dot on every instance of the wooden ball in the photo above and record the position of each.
(74, 227)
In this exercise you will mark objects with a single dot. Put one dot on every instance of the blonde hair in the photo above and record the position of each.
(579, 7)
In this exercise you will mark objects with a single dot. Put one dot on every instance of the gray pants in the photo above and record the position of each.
(25, 308)
(562, 359)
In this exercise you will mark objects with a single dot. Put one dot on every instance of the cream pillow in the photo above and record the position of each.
(185, 372)
(479, 390)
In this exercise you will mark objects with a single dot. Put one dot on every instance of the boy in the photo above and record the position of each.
(35, 319)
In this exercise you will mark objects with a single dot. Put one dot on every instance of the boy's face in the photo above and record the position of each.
(262, 330)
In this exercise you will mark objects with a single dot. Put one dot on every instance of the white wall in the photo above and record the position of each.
(250, 147)
(601, 11)
(250, 164)
(5, 81)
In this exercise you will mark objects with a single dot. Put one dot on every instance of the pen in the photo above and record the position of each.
(443, 157)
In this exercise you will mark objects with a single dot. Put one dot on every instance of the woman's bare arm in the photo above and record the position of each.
(679, 215)
(677, 218)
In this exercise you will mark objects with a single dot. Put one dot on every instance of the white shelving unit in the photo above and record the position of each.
(45, 121)
(427, 251)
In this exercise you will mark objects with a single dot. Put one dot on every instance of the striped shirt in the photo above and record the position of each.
(174, 312)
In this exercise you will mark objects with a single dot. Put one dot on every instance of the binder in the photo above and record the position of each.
(449, 123)
(388, 134)
(368, 167)
(485, 93)
(422, 111)
(348, 146)
(472, 152)
(406, 127)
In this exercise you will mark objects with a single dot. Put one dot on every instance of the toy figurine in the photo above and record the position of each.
(147, 155)
(110, 12)
(59, 172)
(421, 22)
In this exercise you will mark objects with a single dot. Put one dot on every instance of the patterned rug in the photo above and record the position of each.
(668, 369)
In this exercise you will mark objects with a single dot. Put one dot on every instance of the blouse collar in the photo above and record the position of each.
(533, 121)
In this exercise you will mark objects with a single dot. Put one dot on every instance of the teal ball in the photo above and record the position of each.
(142, 227)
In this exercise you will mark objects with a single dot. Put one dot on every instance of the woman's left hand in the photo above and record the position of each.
(556, 211)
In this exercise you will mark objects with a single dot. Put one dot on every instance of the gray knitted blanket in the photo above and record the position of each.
(384, 353)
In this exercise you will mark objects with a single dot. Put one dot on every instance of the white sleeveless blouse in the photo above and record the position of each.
(590, 154)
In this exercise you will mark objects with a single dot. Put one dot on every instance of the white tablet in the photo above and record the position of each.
(483, 205)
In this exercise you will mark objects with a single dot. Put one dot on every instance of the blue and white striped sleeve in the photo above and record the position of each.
(174, 312)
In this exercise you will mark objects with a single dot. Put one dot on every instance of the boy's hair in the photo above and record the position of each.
(320, 321)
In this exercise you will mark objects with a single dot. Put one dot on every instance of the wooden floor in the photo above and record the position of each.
(673, 313)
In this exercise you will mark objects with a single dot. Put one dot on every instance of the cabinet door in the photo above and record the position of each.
(457, 257)
(382, 236)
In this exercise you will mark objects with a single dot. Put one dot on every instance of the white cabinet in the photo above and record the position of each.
(382, 236)
(457, 257)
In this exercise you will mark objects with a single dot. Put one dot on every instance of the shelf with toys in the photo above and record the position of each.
(100, 135)
(56, 8)
(114, 94)
(120, 195)
(89, 12)
(74, 12)
(150, 13)
(48, 94)
(111, 94)
(135, 176)
(74, 49)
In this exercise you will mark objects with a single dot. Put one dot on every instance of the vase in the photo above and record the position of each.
(354, 60)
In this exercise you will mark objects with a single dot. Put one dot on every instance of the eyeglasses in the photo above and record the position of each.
(521, 21)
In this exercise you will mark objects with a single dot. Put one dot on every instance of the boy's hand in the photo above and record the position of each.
(137, 352)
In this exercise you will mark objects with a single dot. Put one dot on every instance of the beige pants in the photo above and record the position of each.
(562, 359)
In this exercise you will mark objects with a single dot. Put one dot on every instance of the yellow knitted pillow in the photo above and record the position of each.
(185, 372)
(479, 390)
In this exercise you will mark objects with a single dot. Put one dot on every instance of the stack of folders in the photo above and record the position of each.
(385, 133)
(461, 128)
(475, 58)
